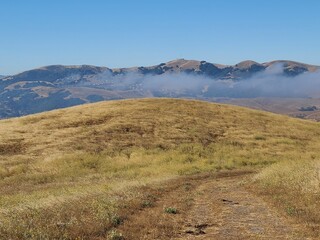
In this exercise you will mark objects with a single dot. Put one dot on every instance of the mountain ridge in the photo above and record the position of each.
(58, 86)
(184, 63)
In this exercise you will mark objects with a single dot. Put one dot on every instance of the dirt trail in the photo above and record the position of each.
(221, 209)
(226, 210)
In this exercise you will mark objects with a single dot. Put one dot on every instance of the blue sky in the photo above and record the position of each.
(124, 33)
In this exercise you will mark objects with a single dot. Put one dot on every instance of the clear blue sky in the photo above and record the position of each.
(123, 33)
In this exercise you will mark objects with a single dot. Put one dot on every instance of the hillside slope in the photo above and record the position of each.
(149, 123)
(73, 166)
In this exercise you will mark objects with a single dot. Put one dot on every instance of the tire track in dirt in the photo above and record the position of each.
(216, 207)
(224, 209)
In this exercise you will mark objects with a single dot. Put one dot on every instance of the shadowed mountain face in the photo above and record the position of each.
(59, 86)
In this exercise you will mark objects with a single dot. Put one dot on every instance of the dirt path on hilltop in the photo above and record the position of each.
(218, 207)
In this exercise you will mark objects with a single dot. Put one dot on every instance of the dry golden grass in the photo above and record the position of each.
(294, 187)
(62, 173)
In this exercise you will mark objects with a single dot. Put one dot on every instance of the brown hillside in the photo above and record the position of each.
(78, 172)
(147, 123)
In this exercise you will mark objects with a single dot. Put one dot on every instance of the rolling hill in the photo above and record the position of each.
(146, 123)
(67, 172)
(58, 86)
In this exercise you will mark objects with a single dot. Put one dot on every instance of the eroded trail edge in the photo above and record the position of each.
(211, 207)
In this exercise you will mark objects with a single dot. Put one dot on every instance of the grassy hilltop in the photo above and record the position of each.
(67, 172)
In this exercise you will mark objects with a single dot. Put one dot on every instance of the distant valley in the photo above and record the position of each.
(277, 86)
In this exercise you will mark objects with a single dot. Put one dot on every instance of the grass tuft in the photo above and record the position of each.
(171, 210)
(294, 187)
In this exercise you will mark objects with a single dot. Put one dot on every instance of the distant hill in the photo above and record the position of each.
(60, 86)
(305, 108)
